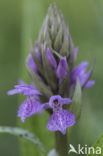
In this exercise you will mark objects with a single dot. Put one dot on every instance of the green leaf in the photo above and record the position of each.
(22, 134)
(98, 147)
(39, 84)
(76, 101)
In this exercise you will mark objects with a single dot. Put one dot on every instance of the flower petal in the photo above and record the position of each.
(24, 89)
(32, 64)
(75, 53)
(51, 58)
(45, 105)
(59, 121)
(29, 107)
(66, 101)
(37, 52)
(85, 77)
(56, 102)
(21, 82)
(14, 91)
(62, 70)
(89, 84)
(78, 71)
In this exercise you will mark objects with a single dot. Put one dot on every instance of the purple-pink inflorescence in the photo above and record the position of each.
(53, 74)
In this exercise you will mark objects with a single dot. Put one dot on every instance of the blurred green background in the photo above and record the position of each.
(20, 21)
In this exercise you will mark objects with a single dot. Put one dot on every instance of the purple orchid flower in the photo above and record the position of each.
(24, 89)
(29, 107)
(32, 103)
(60, 119)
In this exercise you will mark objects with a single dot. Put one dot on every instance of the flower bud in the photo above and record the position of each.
(54, 32)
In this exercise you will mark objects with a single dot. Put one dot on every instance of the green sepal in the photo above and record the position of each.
(41, 35)
(40, 85)
(44, 32)
(76, 101)
(23, 134)
(47, 36)
(65, 45)
(71, 53)
(54, 28)
(59, 38)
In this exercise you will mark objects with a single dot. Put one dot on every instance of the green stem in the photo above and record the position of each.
(61, 144)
